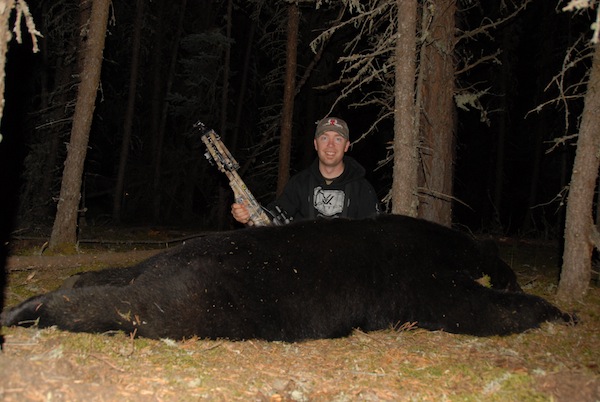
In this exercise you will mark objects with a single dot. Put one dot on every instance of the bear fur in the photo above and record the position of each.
(306, 280)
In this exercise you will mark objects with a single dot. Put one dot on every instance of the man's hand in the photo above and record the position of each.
(240, 213)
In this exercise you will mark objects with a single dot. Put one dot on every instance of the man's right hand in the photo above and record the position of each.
(240, 213)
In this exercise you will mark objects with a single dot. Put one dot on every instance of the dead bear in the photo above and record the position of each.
(306, 280)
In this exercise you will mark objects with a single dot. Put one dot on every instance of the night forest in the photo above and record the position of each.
(510, 168)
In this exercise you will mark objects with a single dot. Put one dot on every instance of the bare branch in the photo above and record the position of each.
(481, 60)
(567, 93)
(484, 29)
(561, 141)
(317, 57)
(24, 13)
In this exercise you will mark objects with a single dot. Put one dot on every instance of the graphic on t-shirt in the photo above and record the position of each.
(328, 203)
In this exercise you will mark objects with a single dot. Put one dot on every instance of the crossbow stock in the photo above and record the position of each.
(219, 155)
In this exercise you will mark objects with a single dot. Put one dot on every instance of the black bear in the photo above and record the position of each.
(310, 279)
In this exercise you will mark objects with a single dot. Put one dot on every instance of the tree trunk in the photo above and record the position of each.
(162, 119)
(226, 73)
(438, 118)
(59, 93)
(285, 141)
(580, 232)
(156, 97)
(224, 192)
(503, 126)
(130, 110)
(241, 98)
(64, 230)
(406, 157)
(5, 220)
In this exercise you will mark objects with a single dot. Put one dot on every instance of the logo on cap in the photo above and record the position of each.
(332, 124)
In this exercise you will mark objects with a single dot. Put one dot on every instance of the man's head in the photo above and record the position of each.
(331, 143)
(333, 124)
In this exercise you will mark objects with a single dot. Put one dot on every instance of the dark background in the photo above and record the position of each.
(508, 149)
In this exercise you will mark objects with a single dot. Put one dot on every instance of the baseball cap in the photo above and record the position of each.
(333, 124)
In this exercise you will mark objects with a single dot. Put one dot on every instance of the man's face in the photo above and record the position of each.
(331, 148)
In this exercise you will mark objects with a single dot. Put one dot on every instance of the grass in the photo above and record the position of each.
(555, 362)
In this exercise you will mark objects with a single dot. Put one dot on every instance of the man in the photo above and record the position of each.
(333, 186)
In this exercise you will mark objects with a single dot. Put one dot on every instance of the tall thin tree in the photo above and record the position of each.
(64, 230)
(163, 105)
(437, 116)
(580, 233)
(222, 209)
(130, 109)
(289, 91)
(406, 133)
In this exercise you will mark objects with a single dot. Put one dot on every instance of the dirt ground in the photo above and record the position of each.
(554, 363)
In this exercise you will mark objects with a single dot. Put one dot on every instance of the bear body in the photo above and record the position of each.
(306, 280)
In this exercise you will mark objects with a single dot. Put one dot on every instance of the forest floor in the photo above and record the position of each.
(553, 363)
